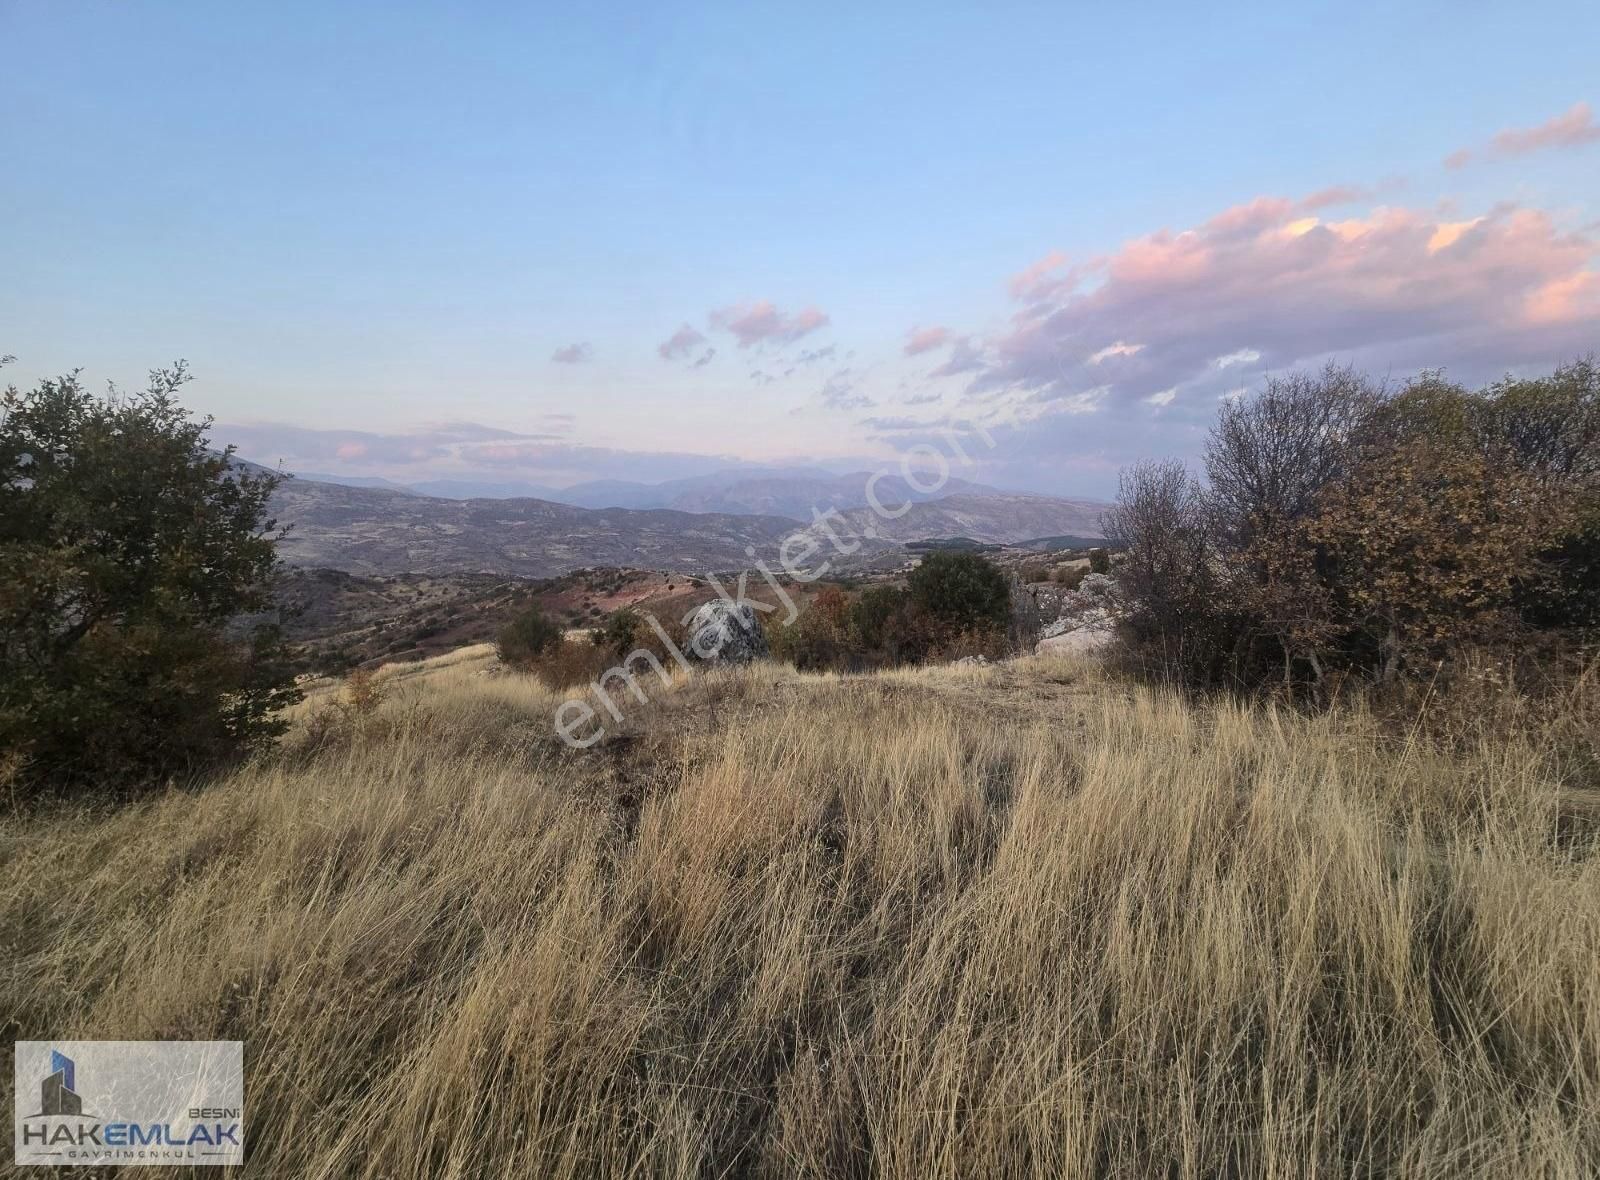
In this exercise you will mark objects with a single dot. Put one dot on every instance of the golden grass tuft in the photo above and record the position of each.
(945, 922)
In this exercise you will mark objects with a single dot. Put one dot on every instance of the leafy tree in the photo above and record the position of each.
(528, 636)
(136, 566)
(961, 591)
(1424, 542)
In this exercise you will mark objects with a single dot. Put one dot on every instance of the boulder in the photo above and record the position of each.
(1089, 631)
(723, 632)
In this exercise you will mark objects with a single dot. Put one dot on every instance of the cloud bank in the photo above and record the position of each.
(1262, 285)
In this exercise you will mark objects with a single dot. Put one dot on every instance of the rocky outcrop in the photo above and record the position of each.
(1089, 632)
(723, 632)
(1088, 619)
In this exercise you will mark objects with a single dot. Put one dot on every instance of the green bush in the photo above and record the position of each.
(528, 636)
(620, 632)
(1099, 561)
(961, 591)
(875, 614)
(137, 631)
(883, 626)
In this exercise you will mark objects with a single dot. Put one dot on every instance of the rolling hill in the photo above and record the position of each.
(375, 530)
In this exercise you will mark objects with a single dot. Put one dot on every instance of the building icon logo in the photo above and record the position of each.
(58, 1094)
(151, 1103)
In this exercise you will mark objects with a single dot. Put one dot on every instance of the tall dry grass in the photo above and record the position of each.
(952, 922)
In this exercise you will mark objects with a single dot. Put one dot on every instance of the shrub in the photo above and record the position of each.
(1166, 575)
(879, 627)
(137, 631)
(1351, 530)
(1563, 591)
(567, 665)
(819, 639)
(526, 637)
(961, 591)
(1099, 561)
(620, 632)
(873, 616)
(1421, 543)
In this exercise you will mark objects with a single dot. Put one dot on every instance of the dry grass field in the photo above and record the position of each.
(947, 922)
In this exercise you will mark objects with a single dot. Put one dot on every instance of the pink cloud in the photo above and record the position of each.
(1572, 128)
(1250, 217)
(680, 344)
(1338, 194)
(1038, 280)
(1395, 288)
(1575, 297)
(921, 340)
(761, 322)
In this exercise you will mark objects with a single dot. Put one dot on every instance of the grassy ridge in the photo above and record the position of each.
(955, 921)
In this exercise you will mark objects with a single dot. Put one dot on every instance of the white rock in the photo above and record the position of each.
(1090, 631)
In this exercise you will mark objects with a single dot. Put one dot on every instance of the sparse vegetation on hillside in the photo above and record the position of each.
(527, 637)
(1348, 531)
(940, 922)
(954, 604)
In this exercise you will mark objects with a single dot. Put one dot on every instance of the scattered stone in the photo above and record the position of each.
(722, 632)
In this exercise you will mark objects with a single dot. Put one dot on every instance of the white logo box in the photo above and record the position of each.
(111, 1103)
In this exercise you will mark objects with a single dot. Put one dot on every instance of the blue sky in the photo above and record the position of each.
(373, 228)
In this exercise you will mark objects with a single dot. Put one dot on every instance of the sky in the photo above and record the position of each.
(519, 242)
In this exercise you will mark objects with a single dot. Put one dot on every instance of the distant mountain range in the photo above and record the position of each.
(744, 491)
(714, 521)
(1001, 517)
